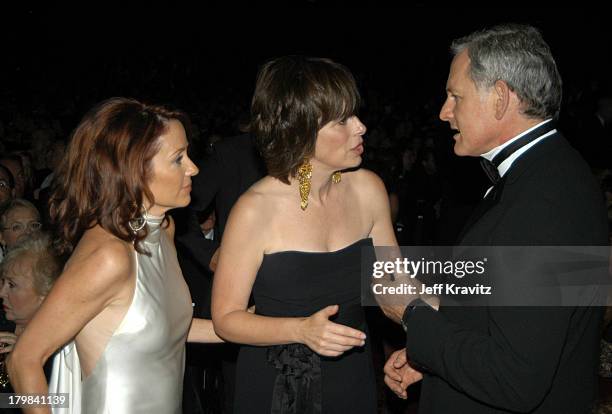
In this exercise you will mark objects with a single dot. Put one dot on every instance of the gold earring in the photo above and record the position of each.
(336, 177)
(304, 174)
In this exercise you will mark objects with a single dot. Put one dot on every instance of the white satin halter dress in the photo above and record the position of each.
(141, 369)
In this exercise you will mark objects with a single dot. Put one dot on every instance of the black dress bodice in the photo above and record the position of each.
(292, 378)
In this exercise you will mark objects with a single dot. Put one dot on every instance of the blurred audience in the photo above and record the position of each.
(14, 164)
(26, 276)
(19, 218)
(7, 185)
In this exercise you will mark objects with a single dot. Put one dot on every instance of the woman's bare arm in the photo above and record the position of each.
(86, 287)
(240, 257)
(202, 331)
(373, 190)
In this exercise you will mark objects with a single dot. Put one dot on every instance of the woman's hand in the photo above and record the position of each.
(328, 338)
(7, 341)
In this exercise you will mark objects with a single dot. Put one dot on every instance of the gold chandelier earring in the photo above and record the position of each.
(336, 177)
(304, 174)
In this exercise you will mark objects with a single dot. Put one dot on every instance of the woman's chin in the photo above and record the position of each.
(183, 201)
(356, 163)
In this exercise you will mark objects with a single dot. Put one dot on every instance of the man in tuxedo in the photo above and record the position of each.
(232, 167)
(503, 95)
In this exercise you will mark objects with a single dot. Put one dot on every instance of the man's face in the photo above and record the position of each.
(468, 110)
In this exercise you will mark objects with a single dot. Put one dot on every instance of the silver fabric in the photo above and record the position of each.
(141, 369)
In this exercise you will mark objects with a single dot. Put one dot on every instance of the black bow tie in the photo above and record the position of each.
(490, 167)
(491, 170)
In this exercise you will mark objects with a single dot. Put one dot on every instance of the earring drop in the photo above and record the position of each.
(304, 174)
(138, 223)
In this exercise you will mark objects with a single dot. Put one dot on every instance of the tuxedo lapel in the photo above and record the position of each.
(492, 198)
(521, 165)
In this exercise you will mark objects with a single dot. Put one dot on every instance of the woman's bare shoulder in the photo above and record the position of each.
(101, 256)
(366, 183)
(259, 206)
(263, 194)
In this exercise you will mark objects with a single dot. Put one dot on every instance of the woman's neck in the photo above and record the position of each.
(320, 183)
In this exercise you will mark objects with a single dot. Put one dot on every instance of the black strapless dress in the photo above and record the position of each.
(291, 378)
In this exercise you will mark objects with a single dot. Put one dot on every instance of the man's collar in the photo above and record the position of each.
(492, 153)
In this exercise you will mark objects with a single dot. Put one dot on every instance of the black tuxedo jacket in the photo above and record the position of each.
(520, 359)
(229, 171)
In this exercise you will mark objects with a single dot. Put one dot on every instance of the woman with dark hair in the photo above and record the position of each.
(121, 298)
(294, 241)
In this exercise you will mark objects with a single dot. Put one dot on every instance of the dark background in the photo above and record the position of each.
(177, 54)
(57, 62)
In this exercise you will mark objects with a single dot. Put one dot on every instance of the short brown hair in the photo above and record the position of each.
(103, 176)
(294, 98)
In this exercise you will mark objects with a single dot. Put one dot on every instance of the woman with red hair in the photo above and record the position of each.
(121, 304)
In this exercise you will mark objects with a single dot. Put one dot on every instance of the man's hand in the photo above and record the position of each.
(397, 293)
(393, 312)
(393, 295)
(399, 375)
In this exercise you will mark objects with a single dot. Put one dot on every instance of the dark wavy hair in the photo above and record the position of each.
(102, 179)
(294, 98)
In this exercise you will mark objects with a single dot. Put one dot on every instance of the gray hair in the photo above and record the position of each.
(46, 265)
(519, 56)
(11, 205)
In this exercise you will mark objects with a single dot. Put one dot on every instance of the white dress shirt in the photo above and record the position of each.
(507, 163)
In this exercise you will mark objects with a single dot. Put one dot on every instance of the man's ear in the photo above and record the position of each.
(502, 98)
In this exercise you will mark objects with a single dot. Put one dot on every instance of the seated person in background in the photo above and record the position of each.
(7, 185)
(14, 164)
(18, 220)
(26, 276)
(7, 191)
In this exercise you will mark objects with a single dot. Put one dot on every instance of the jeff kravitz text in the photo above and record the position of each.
(410, 269)
(435, 289)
